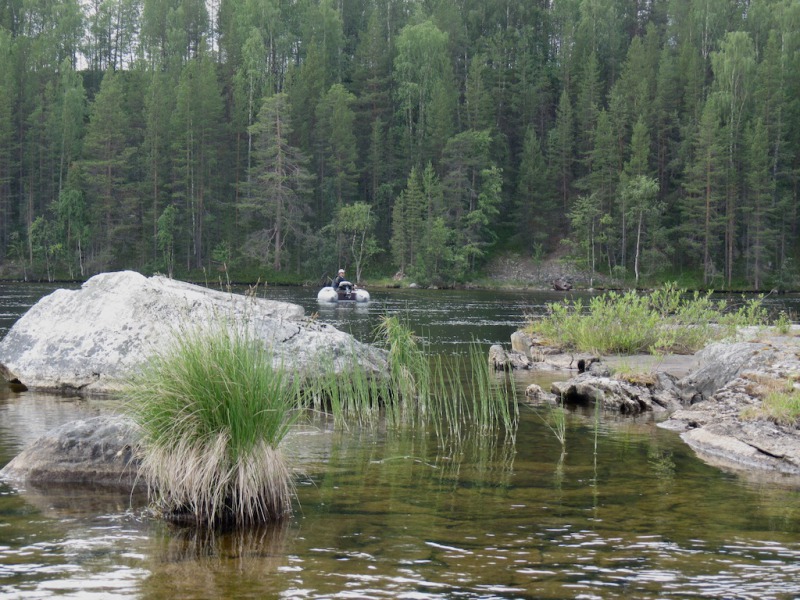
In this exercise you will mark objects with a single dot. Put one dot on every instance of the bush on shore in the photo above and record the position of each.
(669, 320)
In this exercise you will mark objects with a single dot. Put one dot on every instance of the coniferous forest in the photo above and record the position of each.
(286, 138)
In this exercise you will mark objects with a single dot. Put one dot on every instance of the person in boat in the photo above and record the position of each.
(338, 279)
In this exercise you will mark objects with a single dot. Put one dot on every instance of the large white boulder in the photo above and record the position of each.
(92, 339)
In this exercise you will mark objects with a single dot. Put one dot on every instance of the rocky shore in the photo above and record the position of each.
(715, 398)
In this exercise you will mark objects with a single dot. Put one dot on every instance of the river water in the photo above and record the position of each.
(624, 511)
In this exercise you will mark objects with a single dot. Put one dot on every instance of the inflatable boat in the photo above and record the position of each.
(347, 292)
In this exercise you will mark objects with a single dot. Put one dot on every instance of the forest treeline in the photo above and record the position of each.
(645, 138)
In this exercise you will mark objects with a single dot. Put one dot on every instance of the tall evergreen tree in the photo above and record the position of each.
(279, 202)
(561, 149)
(196, 119)
(158, 108)
(535, 208)
(8, 152)
(701, 208)
(408, 217)
(336, 142)
(733, 66)
(106, 169)
(759, 207)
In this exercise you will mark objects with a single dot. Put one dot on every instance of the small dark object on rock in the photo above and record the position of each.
(586, 365)
(562, 285)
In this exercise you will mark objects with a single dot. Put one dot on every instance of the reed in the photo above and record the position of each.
(213, 409)
(419, 390)
(556, 421)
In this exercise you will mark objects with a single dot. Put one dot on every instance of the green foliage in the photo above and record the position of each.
(420, 391)
(213, 409)
(355, 224)
(668, 320)
(523, 109)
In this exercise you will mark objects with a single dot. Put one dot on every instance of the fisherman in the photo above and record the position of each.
(338, 279)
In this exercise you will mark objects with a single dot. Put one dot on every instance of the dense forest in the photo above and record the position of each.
(286, 138)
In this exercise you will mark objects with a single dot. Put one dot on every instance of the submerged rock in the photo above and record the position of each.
(92, 339)
(98, 451)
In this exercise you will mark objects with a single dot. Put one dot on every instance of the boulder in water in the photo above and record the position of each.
(90, 340)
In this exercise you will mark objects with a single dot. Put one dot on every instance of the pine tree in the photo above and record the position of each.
(8, 91)
(408, 218)
(535, 208)
(759, 209)
(105, 165)
(733, 68)
(337, 150)
(561, 149)
(278, 203)
(701, 208)
(196, 121)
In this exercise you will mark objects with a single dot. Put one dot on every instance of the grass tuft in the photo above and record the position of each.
(780, 400)
(213, 409)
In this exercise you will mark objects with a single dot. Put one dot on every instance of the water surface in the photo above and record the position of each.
(624, 510)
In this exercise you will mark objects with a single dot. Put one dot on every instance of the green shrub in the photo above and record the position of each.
(667, 320)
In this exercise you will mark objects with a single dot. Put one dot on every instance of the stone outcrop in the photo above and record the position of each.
(97, 451)
(723, 362)
(657, 393)
(725, 423)
(716, 406)
(543, 356)
(90, 340)
(502, 360)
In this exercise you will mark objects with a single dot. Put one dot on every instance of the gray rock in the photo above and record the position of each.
(98, 451)
(535, 394)
(90, 340)
(722, 362)
(725, 427)
(656, 393)
(500, 360)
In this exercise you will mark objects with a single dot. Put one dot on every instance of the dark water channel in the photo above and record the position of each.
(626, 511)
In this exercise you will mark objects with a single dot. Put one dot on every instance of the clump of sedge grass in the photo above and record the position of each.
(780, 400)
(213, 409)
(668, 320)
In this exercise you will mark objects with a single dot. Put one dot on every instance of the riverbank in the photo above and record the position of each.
(735, 402)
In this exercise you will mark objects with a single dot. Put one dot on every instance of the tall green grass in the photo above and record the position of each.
(667, 320)
(419, 390)
(213, 409)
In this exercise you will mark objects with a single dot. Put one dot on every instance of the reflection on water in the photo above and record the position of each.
(388, 515)
(625, 511)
